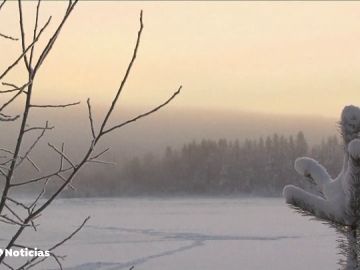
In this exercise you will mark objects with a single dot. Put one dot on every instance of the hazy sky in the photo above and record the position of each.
(273, 57)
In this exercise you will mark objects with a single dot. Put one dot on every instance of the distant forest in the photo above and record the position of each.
(256, 167)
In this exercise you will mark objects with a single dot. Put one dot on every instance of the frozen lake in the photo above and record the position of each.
(178, 234)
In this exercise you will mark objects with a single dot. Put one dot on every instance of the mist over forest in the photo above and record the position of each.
(196, 152)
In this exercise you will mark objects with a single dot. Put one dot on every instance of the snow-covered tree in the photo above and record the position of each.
(335, 200)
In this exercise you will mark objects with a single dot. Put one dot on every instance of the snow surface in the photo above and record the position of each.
(178, 234)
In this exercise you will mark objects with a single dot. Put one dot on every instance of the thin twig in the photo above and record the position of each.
(100, 154)
(62, 158)
(4, 263)
(52, 40)
(10, 84)
(64, 180)
(101, 162)
(19, 157)
(8, 220)
(9, 118)
(8, 37)
(71, 235)
(21, 22)
(40, 195)
(91, 119)
(2, 4)
(39, 128)
(123, 82)
(54, 246)
(20, 91)
(13, 213)
(26, 50)
(34, 180)
(35, 31)
(17, 203)
(33, 144)
(144, 114)
(62, 155)
(28, 264)
(54, 106)
(14, 88)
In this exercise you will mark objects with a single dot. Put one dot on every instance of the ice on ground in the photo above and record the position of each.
(177, 234)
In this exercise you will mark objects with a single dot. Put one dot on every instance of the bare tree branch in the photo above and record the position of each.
(8, 37)
(100, 154)
(33, 145)
(2, 4)
(6, 219)
(17, 202)
(52, 40)
(71, 235)
(14, 213)
(90, 150)
(39, 196)
(7, 265)
(8, 118)
(35, 31)
(34, 180)
(64, 180)
(10, 100)
(24, 52)
(56, 245)
(123, 82)
(20, 91)
(62, 158)
(62, 155)
(10, 84)
(2, 173)
(20, 157)
(101, 162)
(55, 106)
(144, 114)
(34, 210)
(28, 264)
(91, 119)
(14, 87)
(23, 36)
(32, 74)
(39, 128)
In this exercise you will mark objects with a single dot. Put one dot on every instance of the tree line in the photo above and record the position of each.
(260, 166)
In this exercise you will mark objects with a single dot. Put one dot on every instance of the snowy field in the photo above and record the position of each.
(178, 234)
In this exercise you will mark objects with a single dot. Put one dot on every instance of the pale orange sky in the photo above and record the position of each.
(273, 57)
